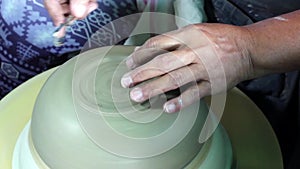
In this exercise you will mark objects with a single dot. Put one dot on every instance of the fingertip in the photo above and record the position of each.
(126, 81)
(169, 107)
(172, 106)
(130, 63)
(137, 95)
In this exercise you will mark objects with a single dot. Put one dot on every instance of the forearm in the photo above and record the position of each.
(275, 44)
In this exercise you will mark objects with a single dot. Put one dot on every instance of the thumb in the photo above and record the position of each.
(81, 8)
(56, 11)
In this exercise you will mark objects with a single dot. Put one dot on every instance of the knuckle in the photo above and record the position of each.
(175, 79)
(140, 75)
(156, 41)
(152, 42)
(191, 26)
(141, 56)
(165, 59)
(187, 55)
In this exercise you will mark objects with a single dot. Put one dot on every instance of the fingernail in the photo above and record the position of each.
(136, 94)
(129, 62)
(170, 107)
(126, 81)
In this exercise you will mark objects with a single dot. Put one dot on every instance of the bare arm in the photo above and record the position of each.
(276, 44)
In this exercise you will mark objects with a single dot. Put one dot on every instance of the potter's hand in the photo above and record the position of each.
(215, 56)
(58, 9)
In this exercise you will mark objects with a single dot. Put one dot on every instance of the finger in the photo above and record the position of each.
(156, 45)
(168, 82)
(55, 11)
(61, 33)
(81, 8)
(166, 42)
(65, 9)
(188, 97)
(158, 66)
(143, 56)
(92, 6)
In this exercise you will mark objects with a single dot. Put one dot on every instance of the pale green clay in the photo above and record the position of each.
(66, 136)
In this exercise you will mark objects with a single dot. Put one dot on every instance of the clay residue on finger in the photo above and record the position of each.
(59, 37)
(280, 18)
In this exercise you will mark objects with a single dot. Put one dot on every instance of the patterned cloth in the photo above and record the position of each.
(26, 37)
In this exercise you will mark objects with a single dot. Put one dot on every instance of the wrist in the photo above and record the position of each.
(246, 45)
(257, 50)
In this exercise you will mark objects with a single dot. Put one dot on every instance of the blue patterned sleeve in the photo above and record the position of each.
(27, 43)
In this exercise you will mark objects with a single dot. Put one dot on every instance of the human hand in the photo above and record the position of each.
(59, 9)
(214, 56)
